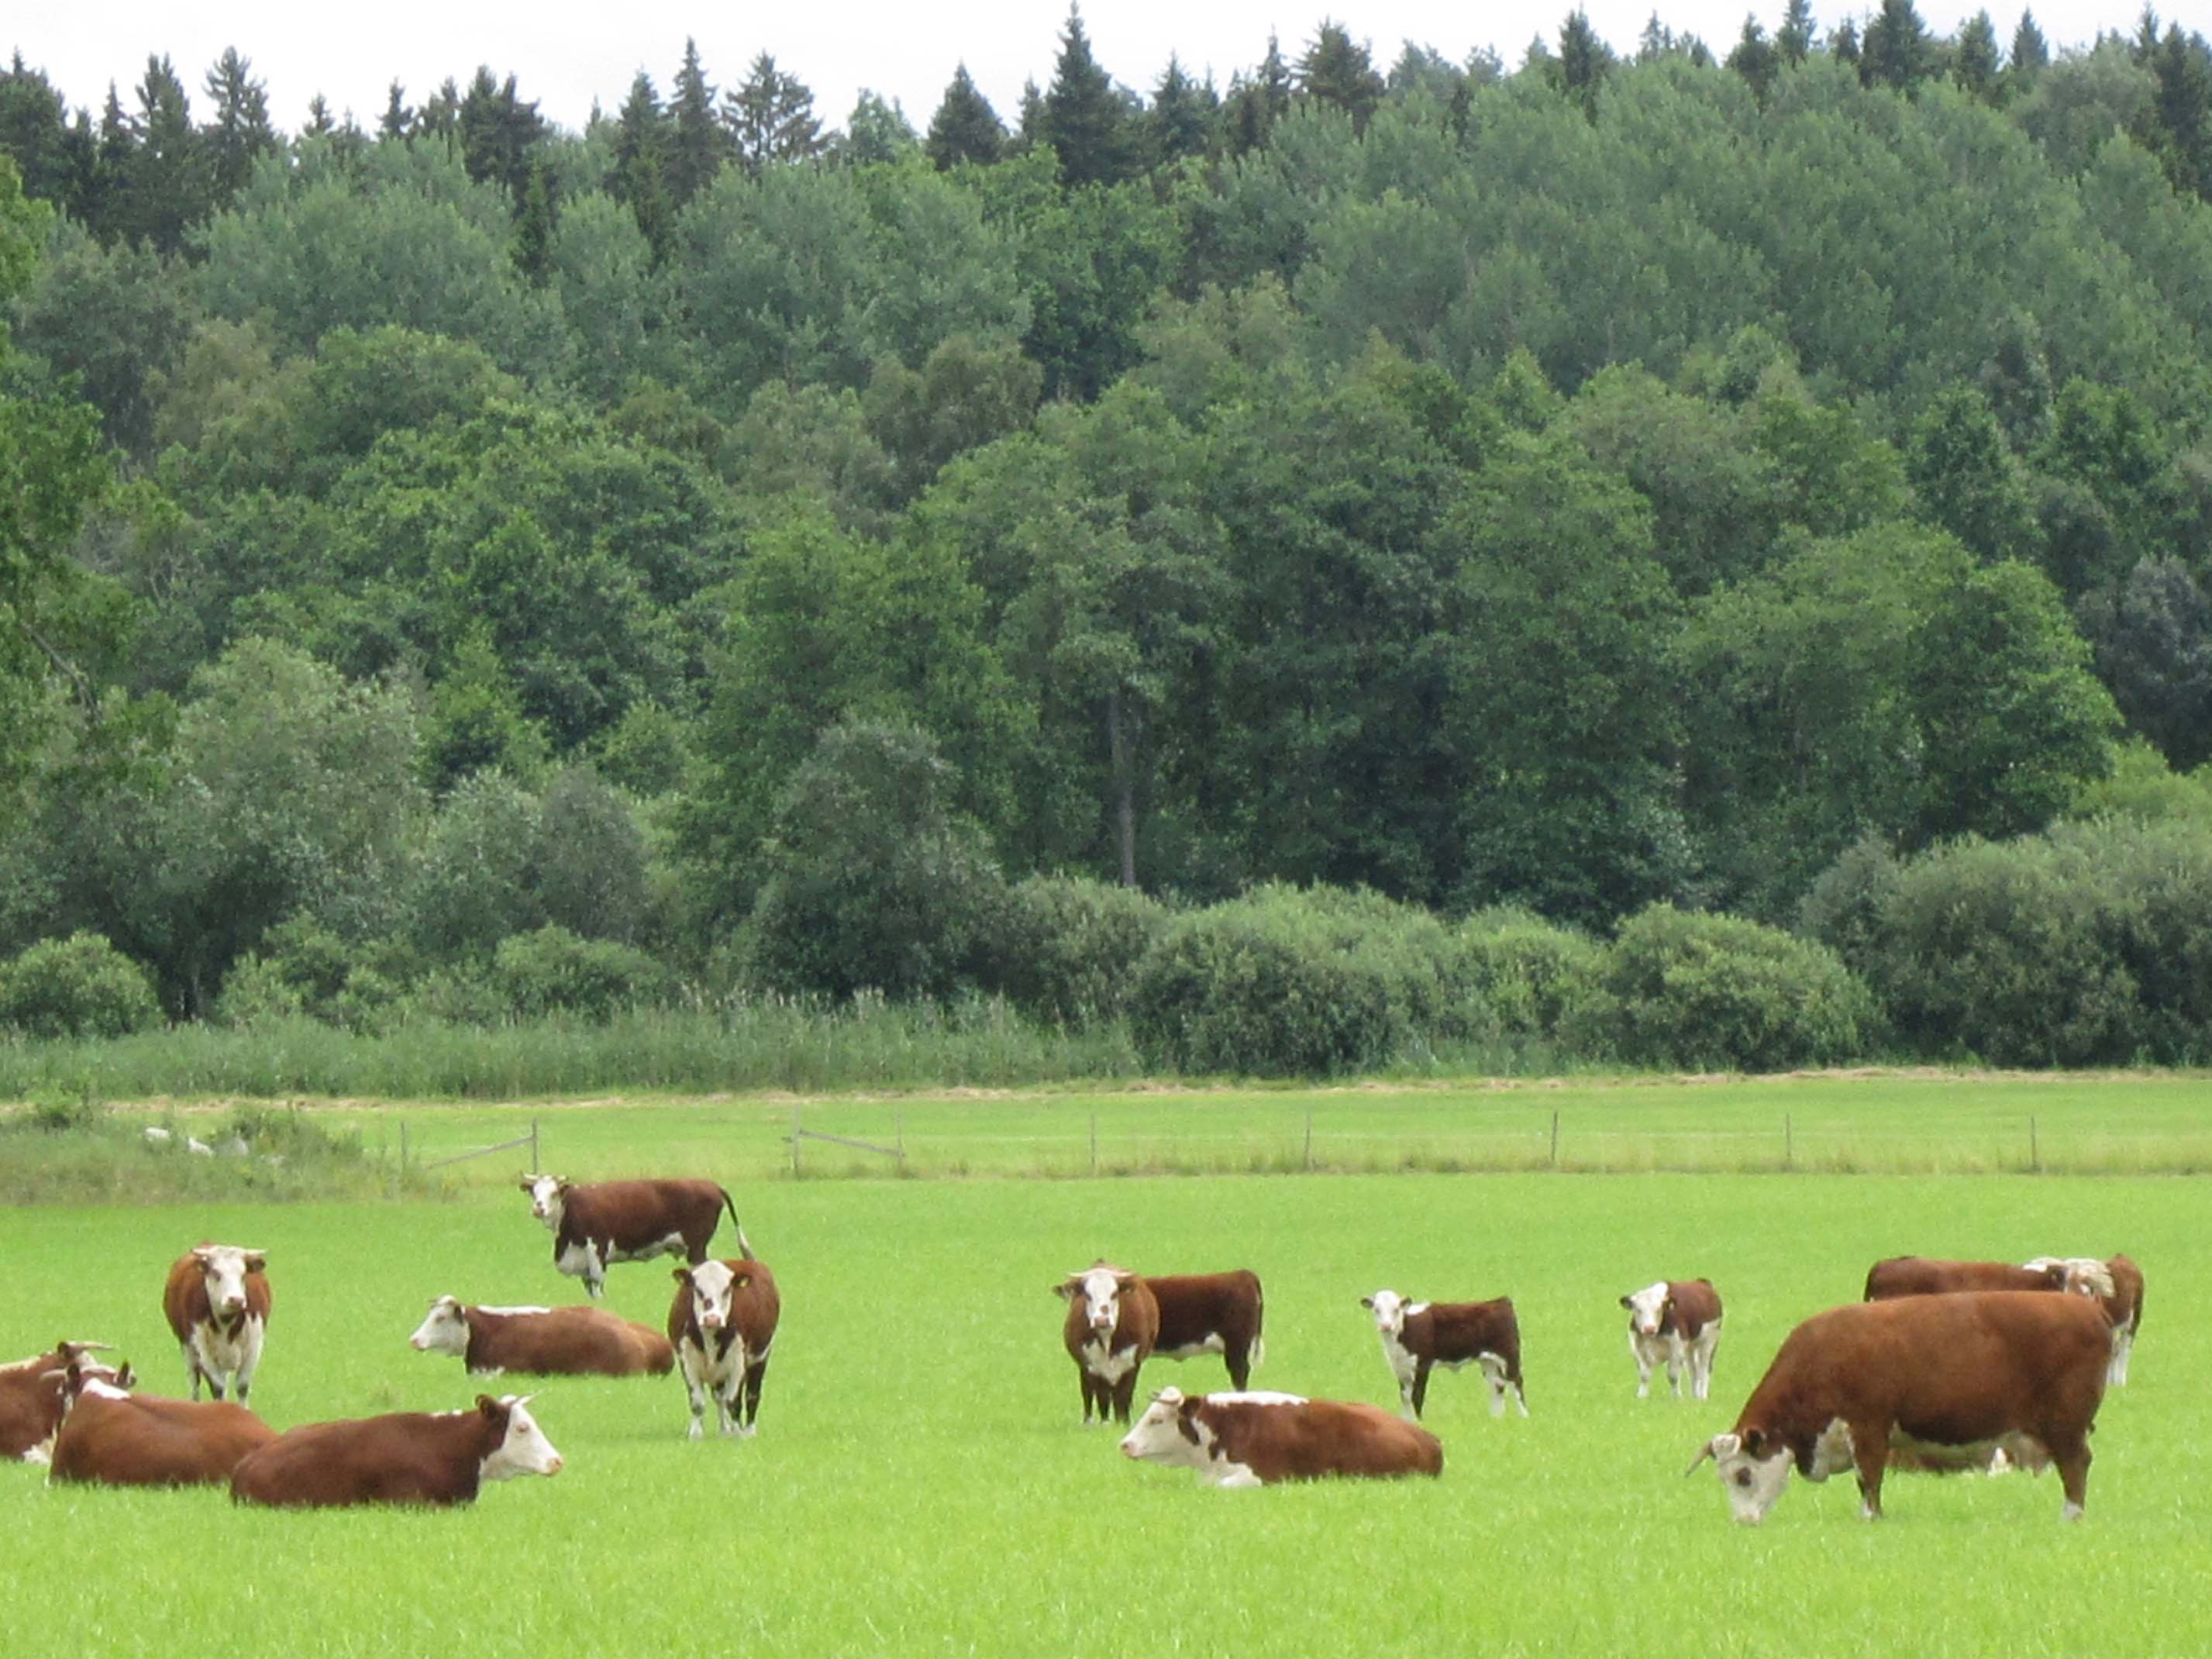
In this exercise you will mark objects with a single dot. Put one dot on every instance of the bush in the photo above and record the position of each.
(1718, 993)
(77, 986)
(303, 967)
(553, 971)
(1067, 948)
(1521, 971)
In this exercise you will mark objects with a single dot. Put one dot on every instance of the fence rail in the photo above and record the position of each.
(422, 1166)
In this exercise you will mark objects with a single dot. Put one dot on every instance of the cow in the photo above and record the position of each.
(581, 1341)
(114, 1437)
(1928, 1275)
(437, 1458)
(1257, 1439)
(1109, 1333)
(1419, 1335)
(217, 1304)
(33, 1397)
(1931, 1382)
(722, 1324)
(2119, 1285)
(1676, 1322)
(604, 1222)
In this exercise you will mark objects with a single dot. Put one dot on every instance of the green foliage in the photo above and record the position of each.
(78, 987)
(1676, 989)
(1523, 972)
(1067, 948)
(553, 971)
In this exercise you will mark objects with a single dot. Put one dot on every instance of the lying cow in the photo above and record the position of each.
(605, 1221)
(1257, 1439)
(722, 1325)
(1116, 1319)
(33, 1397)
(408, 1457)
(2119, 1285)
(1932, 1382)
(543, 1341)
(113, 1438)
(1675, 1323)
(1417, 1336)
(217, 1301)
(1928, 1275)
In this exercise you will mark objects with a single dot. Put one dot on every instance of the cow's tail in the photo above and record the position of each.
(745, 1247)
(1258, 1318)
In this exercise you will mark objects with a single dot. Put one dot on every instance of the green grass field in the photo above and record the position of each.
(922, 1484)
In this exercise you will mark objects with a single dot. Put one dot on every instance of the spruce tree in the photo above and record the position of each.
(2182, 105)
(534, 225)
(1339, 71)
(167, 189)
(1754, 58)
(965, 127)
(2031, 55)
(1844, 44)
(1794, 40)
(440, 118)
(771, 117)
(319, 123)
(1084, 119)
(641, 137)
(699, 143)
(498, 131)
(239, 132)
(34, 131)
(1584, 61)
(397, 120)
(1974, 64)
(1896, 51)
(1179, 123)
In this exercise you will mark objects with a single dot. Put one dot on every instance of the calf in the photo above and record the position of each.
(113, 1438)
(1928, 1275)
(1419, 1335)
(722, 1325)
(1676, 1322)
(611, 1221)
(33, 1397)
(217, 1301)
(1257, 1439)
(1943, 1381)
(408, 1457)
(2117, 1284)
(543, 1341)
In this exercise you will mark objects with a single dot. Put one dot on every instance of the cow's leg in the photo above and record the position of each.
(1870, 1452)
(595, 1273)
(1406, 1408)
(756, 1375)
(729, 1403)
(253, 1335)
(1494, 1373)
(2070, 1451)
(1125, 1391)
(1636, 1351)
(695, 1385)
(1238, 1357)
(1701, 1365)
(1421, 1368)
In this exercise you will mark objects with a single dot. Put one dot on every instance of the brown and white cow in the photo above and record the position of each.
(1931, 1382)
(1417, 1336)
(217, 1301)
(580, 1342)
(113, 1438)
(722, 1325)
(1930, 1275)
(1675, 1323)
(1116, 1319)
(604, 1222)
(35, 1397)
(408, 1457)
(1257, 1439)
(2119, 1285)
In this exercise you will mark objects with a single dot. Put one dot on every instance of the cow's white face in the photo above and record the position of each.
(1751, 1482)
(1101, 1296)
(446, 1330)
(713, 1287)
(226, 1267)
(1390, 1309)
(548, 1194)
(1646, 1308)
(1165, 1435)
(525, 1450)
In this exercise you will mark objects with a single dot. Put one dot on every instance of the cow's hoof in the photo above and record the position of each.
(697, 1433)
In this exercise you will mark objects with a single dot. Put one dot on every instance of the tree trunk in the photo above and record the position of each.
(1125, 802)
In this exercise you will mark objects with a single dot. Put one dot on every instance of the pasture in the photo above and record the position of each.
(921, 1482)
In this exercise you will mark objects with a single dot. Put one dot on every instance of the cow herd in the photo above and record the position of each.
(1943, 1365)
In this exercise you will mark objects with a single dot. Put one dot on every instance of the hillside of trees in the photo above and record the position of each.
(718, 549)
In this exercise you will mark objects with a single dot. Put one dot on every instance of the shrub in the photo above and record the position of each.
(553, 971)
(1521, 971)
(303, 967)
(1067, 948)
(81, 985)
(1712, 992)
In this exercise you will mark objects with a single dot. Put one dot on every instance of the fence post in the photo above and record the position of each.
(536, 1159)
(2034, 1151)
(898, 1133)
(794, 1140)
(1309, 1140)
(1555, 1137)
(1789, 1143)
(399, 1179)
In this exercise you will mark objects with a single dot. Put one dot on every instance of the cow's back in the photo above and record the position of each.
(1193, 1307)
(1316, 1439)
(148, 1442)
(1921, 1275)
(568, 1341)
(410, 1458)
(1692, 1305)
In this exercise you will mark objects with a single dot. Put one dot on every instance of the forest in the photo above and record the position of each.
(1694, 553)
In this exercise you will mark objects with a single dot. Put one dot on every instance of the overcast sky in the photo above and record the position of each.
(566, 56)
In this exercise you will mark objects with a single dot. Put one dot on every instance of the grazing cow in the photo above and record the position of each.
(1676, 1322)
(408, 1457)
(2119, 1285)
(722, 1325)
(1928, 1275)
(610, 1221)
(1932, 1382)
(113, 1438)
(1257, 1439)
(217, 1304)
(543, 1341)
(33, 1397)
(1419, 1335)
(1113, 1321)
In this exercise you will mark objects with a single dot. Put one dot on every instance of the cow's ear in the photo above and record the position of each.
(1626, 1302)
(492, 1410)
(681, 1275)
(1754, 1444)
(258, 1263)
(1366, 1301)
(124, 1379)
(739, 1281)
(1065, 1290)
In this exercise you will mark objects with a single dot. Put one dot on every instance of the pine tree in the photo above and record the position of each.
(1086, 120)
(440, 118)
(2031, 55)
(240, 133)
(1029, 129)
(1794, 40)
(1896, 51)
(397, 120)
(167, 188)
(641, 136)
(1584, 61)
(2182, 105)
(701, 143)
(1181, 120)
(534, 222)
(965, 127)
(771, 117)
(34, 132)
(498, 132)
(1656, 42)
(1974, 64)
(1754, 58)
(1844, 44)
(1339, 71)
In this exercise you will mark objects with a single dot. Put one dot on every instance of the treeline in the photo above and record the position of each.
(474, 571)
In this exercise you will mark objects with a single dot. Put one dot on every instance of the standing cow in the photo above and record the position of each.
(1943, 1381)
(35, 1398)
(1257, 1439)
(2119, 1285)
(113, 1438)
(722, 1325)
(407, 1457)
(1675, 1323)
(605, 1221)
(1116, 1319)
(1417, 1336)
(217, 1301)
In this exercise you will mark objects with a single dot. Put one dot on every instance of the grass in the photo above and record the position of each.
(922, 1484)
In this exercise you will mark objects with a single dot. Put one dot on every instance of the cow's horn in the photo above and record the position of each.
(1701, 1456)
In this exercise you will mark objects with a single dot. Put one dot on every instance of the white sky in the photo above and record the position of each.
(565, 57)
